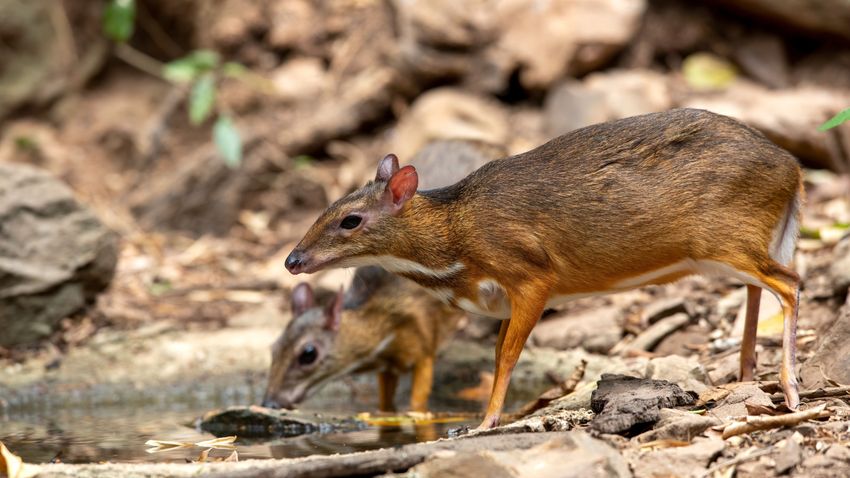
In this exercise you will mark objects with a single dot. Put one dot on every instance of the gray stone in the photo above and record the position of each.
(573, 454)
(621, 402)
(678, 425)
(788, 457)
(55, 255)
(735, 404)
(689, 461)
(832, 357)
(685, 372)
(839, 270)
(596, 330)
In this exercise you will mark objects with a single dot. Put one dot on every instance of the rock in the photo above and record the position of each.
(762, 56)
(731, 302)
(551, 39)
(788, 457)
(596, 330)
(685, 372)
(55, 255)
(798, 113)
(649, 338)
(735, 404)
(254, 421)
(689, 461)
(605, 96)
(622, 402)
(300, 78)
(831, 360)
(42, 61)
(657, 310)
(829, 17)
(545, 420)
(449, 114)
(839, 269)
(444, 162)
(482, 46)
(586, 456)
(677, 425)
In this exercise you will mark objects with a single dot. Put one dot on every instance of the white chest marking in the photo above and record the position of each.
(492, 301)
(398, 265)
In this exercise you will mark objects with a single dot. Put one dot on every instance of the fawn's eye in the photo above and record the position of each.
(308, 355)
(350, 222)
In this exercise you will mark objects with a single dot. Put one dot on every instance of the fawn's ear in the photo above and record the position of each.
(333, 313)
(387, 167)
(302, 299)
(401, 187)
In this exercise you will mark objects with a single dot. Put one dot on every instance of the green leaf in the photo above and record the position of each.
(228, 142)
(191, 66)
(118, 19)
(836, 120)
(180, 71)
(202, 99)
(233, 69)
(302, 161)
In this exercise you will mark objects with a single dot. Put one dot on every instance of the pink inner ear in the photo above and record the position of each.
(333, 313)
(302, 298)
(403, 184)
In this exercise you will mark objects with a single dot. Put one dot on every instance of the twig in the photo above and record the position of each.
(819, 393)
(738, 459)
(139, 60)
(650, 337)
(564, 388)
(767, 422)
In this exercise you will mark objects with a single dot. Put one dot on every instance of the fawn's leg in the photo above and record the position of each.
(748, 343)
(526, 309)
(387, 382)
(420, 390)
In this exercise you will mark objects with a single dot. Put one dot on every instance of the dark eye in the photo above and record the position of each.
(308, 355)
(350, 222)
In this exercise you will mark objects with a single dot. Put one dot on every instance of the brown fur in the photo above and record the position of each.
(583, 212)
(377, 306)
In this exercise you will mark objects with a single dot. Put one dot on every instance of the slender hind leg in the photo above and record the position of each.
(785, 283)
(387, 383)
(748, 343)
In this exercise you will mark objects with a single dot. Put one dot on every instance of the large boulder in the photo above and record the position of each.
(55, 255)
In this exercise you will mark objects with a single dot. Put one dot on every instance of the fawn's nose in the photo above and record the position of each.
(270, 403)
(295, 262)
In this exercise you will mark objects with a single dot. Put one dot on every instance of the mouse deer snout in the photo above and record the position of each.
(296, 262)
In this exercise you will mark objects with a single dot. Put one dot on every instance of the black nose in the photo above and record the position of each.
(269, 403)
(295, 262)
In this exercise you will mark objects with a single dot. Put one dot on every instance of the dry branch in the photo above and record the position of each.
(756, 423)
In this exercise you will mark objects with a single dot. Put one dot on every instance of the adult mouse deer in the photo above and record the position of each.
(606, 208)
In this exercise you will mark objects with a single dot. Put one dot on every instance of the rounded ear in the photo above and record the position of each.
(402, 186)
(333, 313)
(387, 168)
(302, 299)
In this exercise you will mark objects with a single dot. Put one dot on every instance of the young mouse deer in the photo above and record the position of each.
(383, 323)
(606, 208)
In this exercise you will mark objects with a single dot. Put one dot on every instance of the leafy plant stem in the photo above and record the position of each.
(138, 60)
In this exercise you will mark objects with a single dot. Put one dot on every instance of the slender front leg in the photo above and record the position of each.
(748, 343)
(526, 308)
(387, 382)
(420, 390)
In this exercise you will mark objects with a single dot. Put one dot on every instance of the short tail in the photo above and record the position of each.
(785, 234)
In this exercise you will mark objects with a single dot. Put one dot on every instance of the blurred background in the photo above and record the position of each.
(159, 159)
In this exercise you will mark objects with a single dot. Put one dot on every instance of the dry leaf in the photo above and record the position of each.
(233, 457)
(666, 443)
